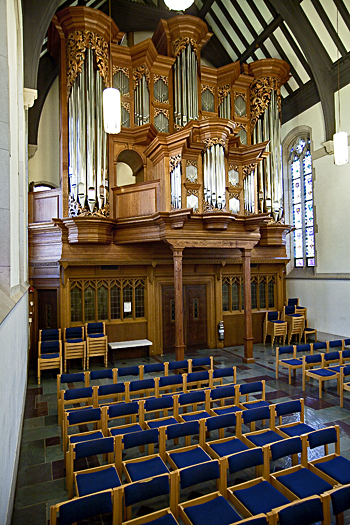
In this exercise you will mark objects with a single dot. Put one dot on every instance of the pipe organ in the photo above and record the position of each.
(199, 161)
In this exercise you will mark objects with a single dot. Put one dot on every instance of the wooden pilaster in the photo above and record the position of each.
(248, 328)
(179, 322)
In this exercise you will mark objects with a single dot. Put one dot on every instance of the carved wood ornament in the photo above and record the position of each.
(138, 73)
(260, 96)
(181, 43)
(77, 43)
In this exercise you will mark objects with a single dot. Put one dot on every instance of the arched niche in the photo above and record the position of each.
(129, 168)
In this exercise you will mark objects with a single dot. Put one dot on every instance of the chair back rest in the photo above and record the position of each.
(159, 403)
(78, 393)
(78, 377)
(197, 396)
(95, 328)
(304, 512)
(142, 384)
(74, 332)
(114, 388)
(224, 372)
(324, 436)
(53, 334)
(340, 499)
(288, 407)
(245, 459)
(142, 437)
(123, 409)
(93, 447)
(146, 489)
(178, 365)
(106, 373)
(272, 316)
(288, 310)
(346, 370)
(346, 342)
(86, 507)
(332, 356)
(293, 301)
(285, 447)
(202, 375)
(153, 367)
(49, 347)
(222, 392)
(224, 421)
(170, 380)
(250, 388)
(85, 415)
(256, 414)
(335, 344)
(303, 348)
(128, 371)
(285, 349)
(200, 473)
(313, 359)
(322, 345)
(182, 429)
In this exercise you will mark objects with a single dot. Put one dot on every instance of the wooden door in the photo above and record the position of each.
(195, 317)
(47, 309)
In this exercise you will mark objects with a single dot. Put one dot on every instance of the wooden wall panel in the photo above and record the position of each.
(44, 205)
(136, 200)
(234, 328)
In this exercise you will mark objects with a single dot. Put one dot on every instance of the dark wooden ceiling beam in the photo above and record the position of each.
(226, 34)
(259, 41)
(235, 27)
(315, 54)
(329, 26)
(205, 8)
(296, 49)
(343, 11)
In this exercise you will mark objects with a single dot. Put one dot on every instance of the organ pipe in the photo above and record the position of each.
(214, 177)
(185, 87)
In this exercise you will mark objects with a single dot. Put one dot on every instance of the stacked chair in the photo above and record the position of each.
(96, 341)
(49, 351)
(74, 345)
(274, 327)
(295, 322)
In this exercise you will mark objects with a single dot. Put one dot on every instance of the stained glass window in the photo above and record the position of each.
(300, 163)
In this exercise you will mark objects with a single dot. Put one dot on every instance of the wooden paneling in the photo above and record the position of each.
(44, 205)
(136, 200)
(234, 328)
(127, 332)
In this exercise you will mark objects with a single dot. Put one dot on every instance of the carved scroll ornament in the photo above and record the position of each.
(205, 87)
(181, 43)
(138, 73)
(160, 77)
(208, 143)
(223, 91)
(247, 170)
(158, 111)
(174, 161)
(260, 96)
(77, 43)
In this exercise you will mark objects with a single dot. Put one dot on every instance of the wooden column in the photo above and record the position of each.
(248, 328)
(179, 320)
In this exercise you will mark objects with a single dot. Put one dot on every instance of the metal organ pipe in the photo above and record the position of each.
(214, 177)
(185, 87)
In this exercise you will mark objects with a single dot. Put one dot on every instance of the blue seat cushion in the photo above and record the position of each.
(162, 423)
(337, 468)
(264, 438)
(146, 469)
(256, 404)
(195, 417)
(297, 430)
(292, 362)
(125, 430)
(76, 438)
(226, 410)
(168, 519)
(304, 483)
(323, 372)
(278, 322)
(261, 498)
(49, 356)
(96, 335)
(226, 448)
(208, 513)
(91, 482)
(75, 341)
(189, 457)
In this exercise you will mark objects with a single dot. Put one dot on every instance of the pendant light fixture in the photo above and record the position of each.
(340, 139)
(178, 5)
(111, 96)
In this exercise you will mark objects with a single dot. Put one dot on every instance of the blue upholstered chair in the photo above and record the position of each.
(96, 342)
(190, 454)
(309, 331)
(110, 393)
(171, 383)
(256, 496)
(340, 498)
(321, 374)
(257, 388)
(157, 406)
(152, 368)
(128, 371)
(223, 395)
(200, 363)
(217, 376)
(194, 380)
(274, 327)
(83, 416)
(296, 321)
(294, 362)
(81, 378)
(304, 512)
(334, 468)
(109, 501)
(177, 367)
(296, 428)
(74, 345)
(296, 481)
(76, 397)
(90, 480)
(143, 466)
(191, 400)
(343, 384)
(264, 436)
(142, 388)
(222, 447)
(156, 487)
(49, 356)
(131, 417)
(52, 334)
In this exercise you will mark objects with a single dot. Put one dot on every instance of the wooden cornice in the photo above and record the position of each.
(270, 67)
(245, 155)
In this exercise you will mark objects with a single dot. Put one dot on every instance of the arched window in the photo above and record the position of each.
(302, 202)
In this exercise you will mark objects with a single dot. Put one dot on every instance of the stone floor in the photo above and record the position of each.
(41, 475)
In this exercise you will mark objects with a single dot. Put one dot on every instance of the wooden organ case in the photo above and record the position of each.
(196, 233)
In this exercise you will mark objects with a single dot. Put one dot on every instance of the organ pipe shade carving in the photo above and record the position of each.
(175, 181)
(160, 89)
(269, 171)
(224, 97)
(88, 167)
(214, 178)
(208, 99)
(185, 87)
(121, 80)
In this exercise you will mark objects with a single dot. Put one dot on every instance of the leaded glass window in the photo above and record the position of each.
(300, 163)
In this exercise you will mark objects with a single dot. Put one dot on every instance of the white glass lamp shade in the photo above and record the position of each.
(111, 110)
(178, 5)
(340, 143)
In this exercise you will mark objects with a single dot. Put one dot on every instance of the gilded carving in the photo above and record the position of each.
(126, 106)
(160, 77)
(234, 194)
(77, 43)
(207, 208)
(209, 88)
(158, 111)
(232, 167)
(192, 192)
(260, 96)
(223, 92)
(138, 73)
(124, 70)
(174, 161)
(181, 43)
(208, 143)
(75, 210)
(247, 170)
(192, 163)
(242, 125)
(243, 95)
